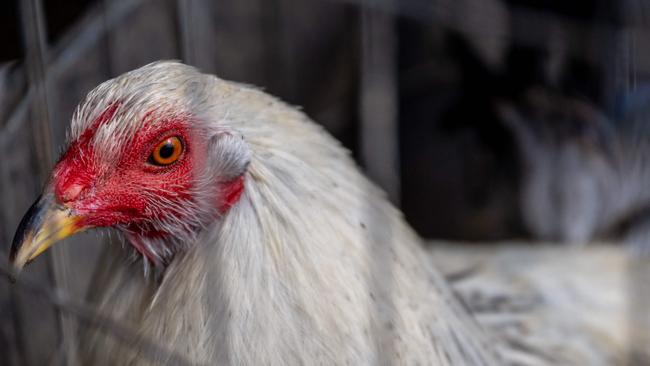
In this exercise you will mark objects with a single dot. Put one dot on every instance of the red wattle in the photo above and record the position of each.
(231, 192)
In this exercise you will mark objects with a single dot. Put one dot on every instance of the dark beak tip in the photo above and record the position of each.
(27, 223)
(15, 245)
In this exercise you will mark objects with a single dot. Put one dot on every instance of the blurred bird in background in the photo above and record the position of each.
(576, 174)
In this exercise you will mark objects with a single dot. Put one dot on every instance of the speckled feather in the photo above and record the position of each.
(311, 266)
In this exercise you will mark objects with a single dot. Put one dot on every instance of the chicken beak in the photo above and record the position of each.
(44, 224)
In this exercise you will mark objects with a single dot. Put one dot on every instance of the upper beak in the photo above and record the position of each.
(44, 224)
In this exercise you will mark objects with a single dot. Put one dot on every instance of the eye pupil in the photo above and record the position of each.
(167, 150)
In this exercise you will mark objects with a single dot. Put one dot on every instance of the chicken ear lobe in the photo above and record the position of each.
(229, 155)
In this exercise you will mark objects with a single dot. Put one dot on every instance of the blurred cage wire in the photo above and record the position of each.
(376, 73)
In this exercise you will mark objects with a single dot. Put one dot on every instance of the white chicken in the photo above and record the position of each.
(268, 245)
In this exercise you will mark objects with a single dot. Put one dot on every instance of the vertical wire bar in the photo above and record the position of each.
(12, 336)
(624, 82)
(107, 12)
(638, 269)
(187, 32)
(284, 42)
(16, 353)
(34, 33)
(638, 299)
(379, 146)
(16, 349)
(34, 38)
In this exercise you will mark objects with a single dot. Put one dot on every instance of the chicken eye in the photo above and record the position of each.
(167, 151)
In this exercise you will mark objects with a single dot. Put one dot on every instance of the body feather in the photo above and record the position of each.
(311, 266)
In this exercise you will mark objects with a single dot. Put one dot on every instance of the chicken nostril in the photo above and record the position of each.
(71, 193)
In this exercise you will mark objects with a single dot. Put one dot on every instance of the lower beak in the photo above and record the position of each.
(44, 224)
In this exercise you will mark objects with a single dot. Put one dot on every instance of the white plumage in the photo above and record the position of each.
(555, 305)
(311, 266)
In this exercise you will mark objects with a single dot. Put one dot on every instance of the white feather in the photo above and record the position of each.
(312, 266)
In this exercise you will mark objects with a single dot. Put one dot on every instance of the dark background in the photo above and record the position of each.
(459, 172)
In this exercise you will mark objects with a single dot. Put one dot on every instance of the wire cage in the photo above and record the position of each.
(423, 93)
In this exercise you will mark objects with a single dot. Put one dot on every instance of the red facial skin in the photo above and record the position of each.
(135, 192)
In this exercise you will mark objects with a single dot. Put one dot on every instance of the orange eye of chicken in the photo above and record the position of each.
(167, 151)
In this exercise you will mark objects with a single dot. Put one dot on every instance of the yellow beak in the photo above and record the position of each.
(44, 224)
